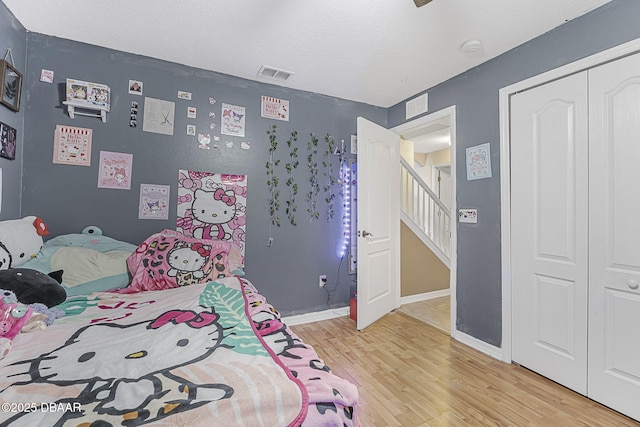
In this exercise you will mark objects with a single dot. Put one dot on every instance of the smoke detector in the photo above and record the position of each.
(471, 46)
(272, 73)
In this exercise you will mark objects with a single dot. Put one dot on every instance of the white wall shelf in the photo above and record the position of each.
(87, 110)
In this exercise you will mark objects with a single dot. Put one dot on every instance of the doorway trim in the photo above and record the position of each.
(416, 125)
(505, 94)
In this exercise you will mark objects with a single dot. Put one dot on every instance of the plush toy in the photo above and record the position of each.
(31, 286)
(16, 317)
(51, 314)
(20, 239)
(13, 317)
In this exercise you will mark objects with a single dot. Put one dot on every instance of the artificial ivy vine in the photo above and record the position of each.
(292, 164)
(272, 179)
(312, 148)
(327, 166)
(291, 185)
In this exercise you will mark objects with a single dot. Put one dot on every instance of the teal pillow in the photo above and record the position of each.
(90, 261)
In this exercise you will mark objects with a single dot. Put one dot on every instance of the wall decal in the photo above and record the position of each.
(72, 146)
(212, 206)
(46, 76)
(191, 112)
(154, 201)
(184, 95)
(204, 139)
(115, 170)
(158, 116)
(233, 120)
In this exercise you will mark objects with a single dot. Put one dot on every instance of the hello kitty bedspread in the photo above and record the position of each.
(211, 354)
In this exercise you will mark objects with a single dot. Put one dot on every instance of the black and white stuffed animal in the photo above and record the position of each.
(31, 286)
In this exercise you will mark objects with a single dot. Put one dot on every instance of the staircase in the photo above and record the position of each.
(425, 214)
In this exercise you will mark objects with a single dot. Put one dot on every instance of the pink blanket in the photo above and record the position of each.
(183, 356)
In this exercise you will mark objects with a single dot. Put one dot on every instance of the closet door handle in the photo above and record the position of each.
(632, 284)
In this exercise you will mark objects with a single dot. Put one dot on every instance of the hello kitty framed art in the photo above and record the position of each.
(72, 145)
(212, 206)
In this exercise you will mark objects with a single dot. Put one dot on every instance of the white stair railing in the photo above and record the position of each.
(424, 213)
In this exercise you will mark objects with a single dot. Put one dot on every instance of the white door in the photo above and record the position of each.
(378, 222)
(549, 230)
(614, 232)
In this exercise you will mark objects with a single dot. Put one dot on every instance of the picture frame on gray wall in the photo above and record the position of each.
(11, 84)
(8, 136)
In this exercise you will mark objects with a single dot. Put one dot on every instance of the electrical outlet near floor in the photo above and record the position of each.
(322, 280)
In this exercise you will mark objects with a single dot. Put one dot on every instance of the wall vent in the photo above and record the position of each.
(273, 73)
(417, 105)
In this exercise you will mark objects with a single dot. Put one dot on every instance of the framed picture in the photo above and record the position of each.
(8, 142)
(11, 84)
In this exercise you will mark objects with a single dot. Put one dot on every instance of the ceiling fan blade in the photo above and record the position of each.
(421, 2)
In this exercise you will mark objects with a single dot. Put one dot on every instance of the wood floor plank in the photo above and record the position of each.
(410, 374)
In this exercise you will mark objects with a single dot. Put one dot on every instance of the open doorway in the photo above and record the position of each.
(427, 240)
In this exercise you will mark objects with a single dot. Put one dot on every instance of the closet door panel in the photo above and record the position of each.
(549, 160)
(614, 235)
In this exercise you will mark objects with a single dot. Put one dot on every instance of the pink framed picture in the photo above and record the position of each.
(115, 170)
(72, 146)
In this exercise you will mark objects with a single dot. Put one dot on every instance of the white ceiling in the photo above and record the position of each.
(375, 51)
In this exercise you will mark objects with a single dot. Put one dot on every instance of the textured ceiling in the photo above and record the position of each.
(375, 51)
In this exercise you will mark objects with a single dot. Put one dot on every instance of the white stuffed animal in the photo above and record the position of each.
(20, 240)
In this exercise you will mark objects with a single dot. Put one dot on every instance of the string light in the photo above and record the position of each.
(346, 209)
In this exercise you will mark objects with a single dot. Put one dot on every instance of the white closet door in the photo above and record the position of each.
(549, 228)
(614, 231)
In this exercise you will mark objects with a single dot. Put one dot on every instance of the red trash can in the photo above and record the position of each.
(353, 308)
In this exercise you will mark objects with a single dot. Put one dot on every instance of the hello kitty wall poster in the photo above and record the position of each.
(72, 146)
(212, 206)
(115, 170)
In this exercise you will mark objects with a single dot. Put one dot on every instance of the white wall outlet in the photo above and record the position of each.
(469, 216)
(322, 280)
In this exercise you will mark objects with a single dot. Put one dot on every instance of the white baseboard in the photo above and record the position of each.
(425, 296)
(316, 316)
(491, 350)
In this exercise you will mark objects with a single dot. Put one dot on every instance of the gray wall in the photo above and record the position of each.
(475, 94)
(14, 37)
(68, 199)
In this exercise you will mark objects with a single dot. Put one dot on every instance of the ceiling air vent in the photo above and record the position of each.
(273, 73)
(417, 105)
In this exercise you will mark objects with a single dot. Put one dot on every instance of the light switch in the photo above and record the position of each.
(469, 216)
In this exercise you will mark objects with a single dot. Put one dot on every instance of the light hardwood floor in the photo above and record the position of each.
(410, 374)
(435, 311)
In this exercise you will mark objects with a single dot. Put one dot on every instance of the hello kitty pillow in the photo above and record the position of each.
(169, 260)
